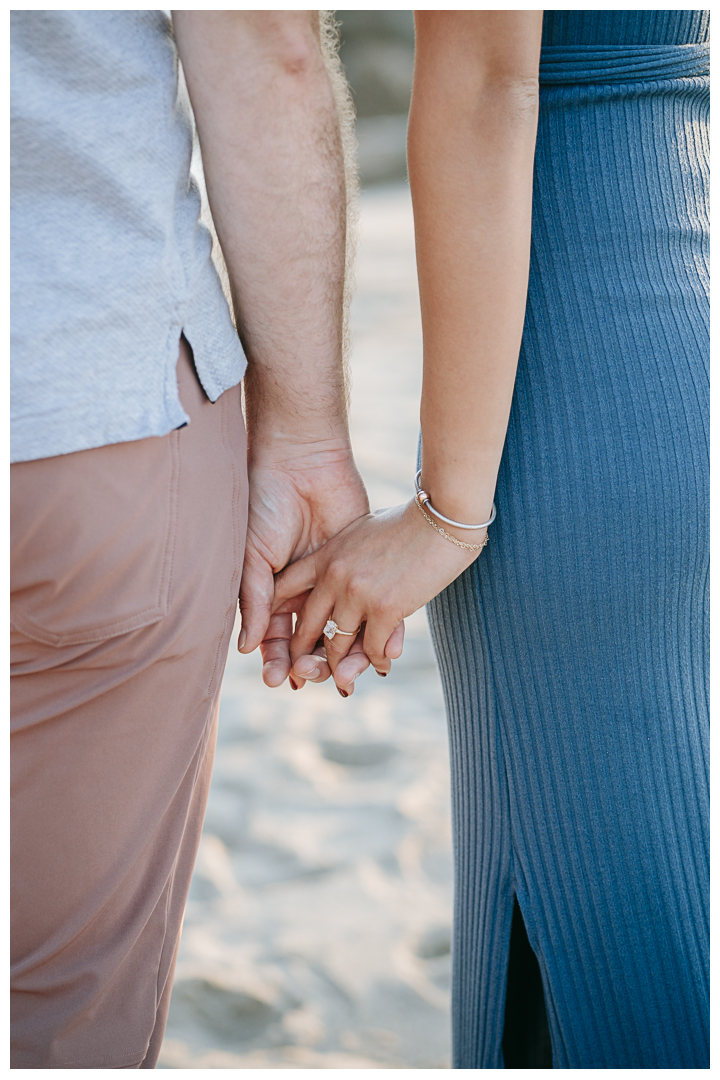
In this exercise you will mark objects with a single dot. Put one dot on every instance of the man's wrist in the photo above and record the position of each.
(295, 412)
(305, 452)
(273, 439)
(276, 431)
(296, 415)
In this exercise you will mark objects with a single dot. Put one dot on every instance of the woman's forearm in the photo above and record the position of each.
(471, 144)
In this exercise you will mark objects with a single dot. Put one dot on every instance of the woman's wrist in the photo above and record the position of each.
(447, 542)
(461, 498)
(448, 530)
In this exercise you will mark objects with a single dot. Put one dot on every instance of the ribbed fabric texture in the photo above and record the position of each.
(573, 653)
(603, 27)
(570, 64)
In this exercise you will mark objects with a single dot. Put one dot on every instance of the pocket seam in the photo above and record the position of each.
(237, 564)
(131, 622)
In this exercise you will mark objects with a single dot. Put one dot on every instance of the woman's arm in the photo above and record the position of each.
(471, 144)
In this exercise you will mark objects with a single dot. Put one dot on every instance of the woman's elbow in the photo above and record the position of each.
(517, 97)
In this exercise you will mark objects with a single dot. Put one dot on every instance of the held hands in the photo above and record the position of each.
(377, 571)
(301, 494)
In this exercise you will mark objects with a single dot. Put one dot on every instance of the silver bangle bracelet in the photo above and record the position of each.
(424, 498)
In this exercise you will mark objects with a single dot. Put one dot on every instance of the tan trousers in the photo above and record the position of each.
(125, 577)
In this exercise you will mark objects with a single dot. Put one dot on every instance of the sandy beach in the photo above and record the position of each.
(317, 934)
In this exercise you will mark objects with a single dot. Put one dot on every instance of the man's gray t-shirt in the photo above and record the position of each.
(109, 262)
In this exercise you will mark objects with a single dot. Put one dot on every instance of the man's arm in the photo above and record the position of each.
(275, 174)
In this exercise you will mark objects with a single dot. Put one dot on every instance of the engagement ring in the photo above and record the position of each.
(332, 628)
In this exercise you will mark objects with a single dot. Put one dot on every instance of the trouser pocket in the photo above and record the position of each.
(92, 540)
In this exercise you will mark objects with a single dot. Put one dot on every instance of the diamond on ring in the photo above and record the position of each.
(332, 628)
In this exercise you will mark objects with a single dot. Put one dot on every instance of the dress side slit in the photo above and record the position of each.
(526, 1035)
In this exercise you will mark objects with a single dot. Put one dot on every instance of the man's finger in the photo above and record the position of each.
(280, 630)
(276, 665)
(257, 590)
(313, 668)
(275, 650)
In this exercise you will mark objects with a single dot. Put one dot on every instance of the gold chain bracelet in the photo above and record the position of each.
(447, 535)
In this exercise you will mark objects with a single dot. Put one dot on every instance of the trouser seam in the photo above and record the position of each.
(138, 1056)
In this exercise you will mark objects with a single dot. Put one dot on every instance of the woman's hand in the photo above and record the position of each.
(377, 571)
(314, 667)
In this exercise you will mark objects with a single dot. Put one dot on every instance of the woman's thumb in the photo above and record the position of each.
(299, 577)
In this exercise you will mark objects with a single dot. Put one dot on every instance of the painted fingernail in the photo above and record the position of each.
(342, 693)
(293, 685)
(382, 674)
(242, 639)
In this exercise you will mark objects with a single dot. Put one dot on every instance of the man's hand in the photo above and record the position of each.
(300, 497)
(268, 112)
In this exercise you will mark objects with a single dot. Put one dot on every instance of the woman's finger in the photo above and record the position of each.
(378, 632)
(294, 605)
(337, 643)
(310, 623)
(353, 665)
(299, 577)
(394, 647)
(358, 661)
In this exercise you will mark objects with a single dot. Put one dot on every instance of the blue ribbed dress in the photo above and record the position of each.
(573, 653)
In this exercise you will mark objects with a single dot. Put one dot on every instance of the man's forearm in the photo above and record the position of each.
(273, 162)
